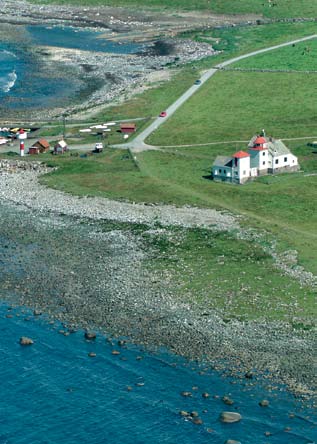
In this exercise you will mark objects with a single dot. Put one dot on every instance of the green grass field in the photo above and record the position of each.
(281, 8)
(231, 41)
(181, 177)
(272, 204)
(235, 105)
(300, 57)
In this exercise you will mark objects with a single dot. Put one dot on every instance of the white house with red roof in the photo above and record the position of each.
(263, 156)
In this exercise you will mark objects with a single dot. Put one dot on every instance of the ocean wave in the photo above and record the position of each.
(7, 82)
(6, 55)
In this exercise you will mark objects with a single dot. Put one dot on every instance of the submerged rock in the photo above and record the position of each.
(232, 441)
(90, 335)
(264, 403)
(186, 394)
(227, 400)
(24, 340)
(230, 417)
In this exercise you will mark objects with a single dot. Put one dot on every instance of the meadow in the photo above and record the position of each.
(270, 9)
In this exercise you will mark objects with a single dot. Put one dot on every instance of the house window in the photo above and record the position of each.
(236, 173)
(263, 153)
(285, 159)
(244, 172)
(263, 163)
(276, 161)
(220, 171)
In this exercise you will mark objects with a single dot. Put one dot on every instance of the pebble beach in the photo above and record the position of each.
(103, 281)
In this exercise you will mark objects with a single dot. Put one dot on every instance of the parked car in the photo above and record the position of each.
(163, 114)
(197, 82)
(98, 147)
(312, 144)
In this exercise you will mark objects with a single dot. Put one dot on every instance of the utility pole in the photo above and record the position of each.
(64, 126)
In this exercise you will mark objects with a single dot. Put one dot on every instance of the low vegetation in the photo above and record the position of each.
(235, 278)
(267, 8)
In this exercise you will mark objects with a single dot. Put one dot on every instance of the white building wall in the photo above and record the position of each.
(243, 168)
(284, 160)
(259, 159)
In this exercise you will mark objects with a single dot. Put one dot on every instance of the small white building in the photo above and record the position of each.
(264, 156)
(60, 147)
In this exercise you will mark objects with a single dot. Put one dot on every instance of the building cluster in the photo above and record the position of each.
(264, 155)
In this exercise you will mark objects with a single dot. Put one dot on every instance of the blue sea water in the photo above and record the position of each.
(53, 392)
(25, 82)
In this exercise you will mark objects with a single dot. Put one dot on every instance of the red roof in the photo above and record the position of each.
(127, 125)
(260, 140)
(44, 143)
(240, 155)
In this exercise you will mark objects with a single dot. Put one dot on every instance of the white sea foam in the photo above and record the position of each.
(7, 55)
(7, 82)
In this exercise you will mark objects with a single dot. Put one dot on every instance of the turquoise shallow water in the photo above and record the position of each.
(52, 392)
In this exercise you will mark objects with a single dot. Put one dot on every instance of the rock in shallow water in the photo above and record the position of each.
(90, 335)
(232, 441)
(24, 340)
(264, 403)
(230, 417)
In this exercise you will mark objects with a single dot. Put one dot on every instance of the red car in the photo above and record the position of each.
(163, 114)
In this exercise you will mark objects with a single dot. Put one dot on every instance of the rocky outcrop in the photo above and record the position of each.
(24, 340)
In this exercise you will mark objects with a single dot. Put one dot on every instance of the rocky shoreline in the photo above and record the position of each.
(86, 265)
(105, 78)
(111, 78)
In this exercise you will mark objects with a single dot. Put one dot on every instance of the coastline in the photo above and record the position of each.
(110, 78)
(110, 287)
(148, 313)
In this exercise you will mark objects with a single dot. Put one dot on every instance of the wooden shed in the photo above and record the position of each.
(42, 145)
(127, 128)
(34, 150)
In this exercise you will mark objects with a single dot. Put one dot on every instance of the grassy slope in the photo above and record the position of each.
(301, 57)
(231, 41)
(283, 8)
(235, 278)
(210, 260)
(234, 105)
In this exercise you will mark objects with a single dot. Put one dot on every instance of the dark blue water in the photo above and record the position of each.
(52, 392)
(28, 83)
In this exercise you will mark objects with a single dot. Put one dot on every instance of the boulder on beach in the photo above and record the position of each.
(230, 417)
(24, 340)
